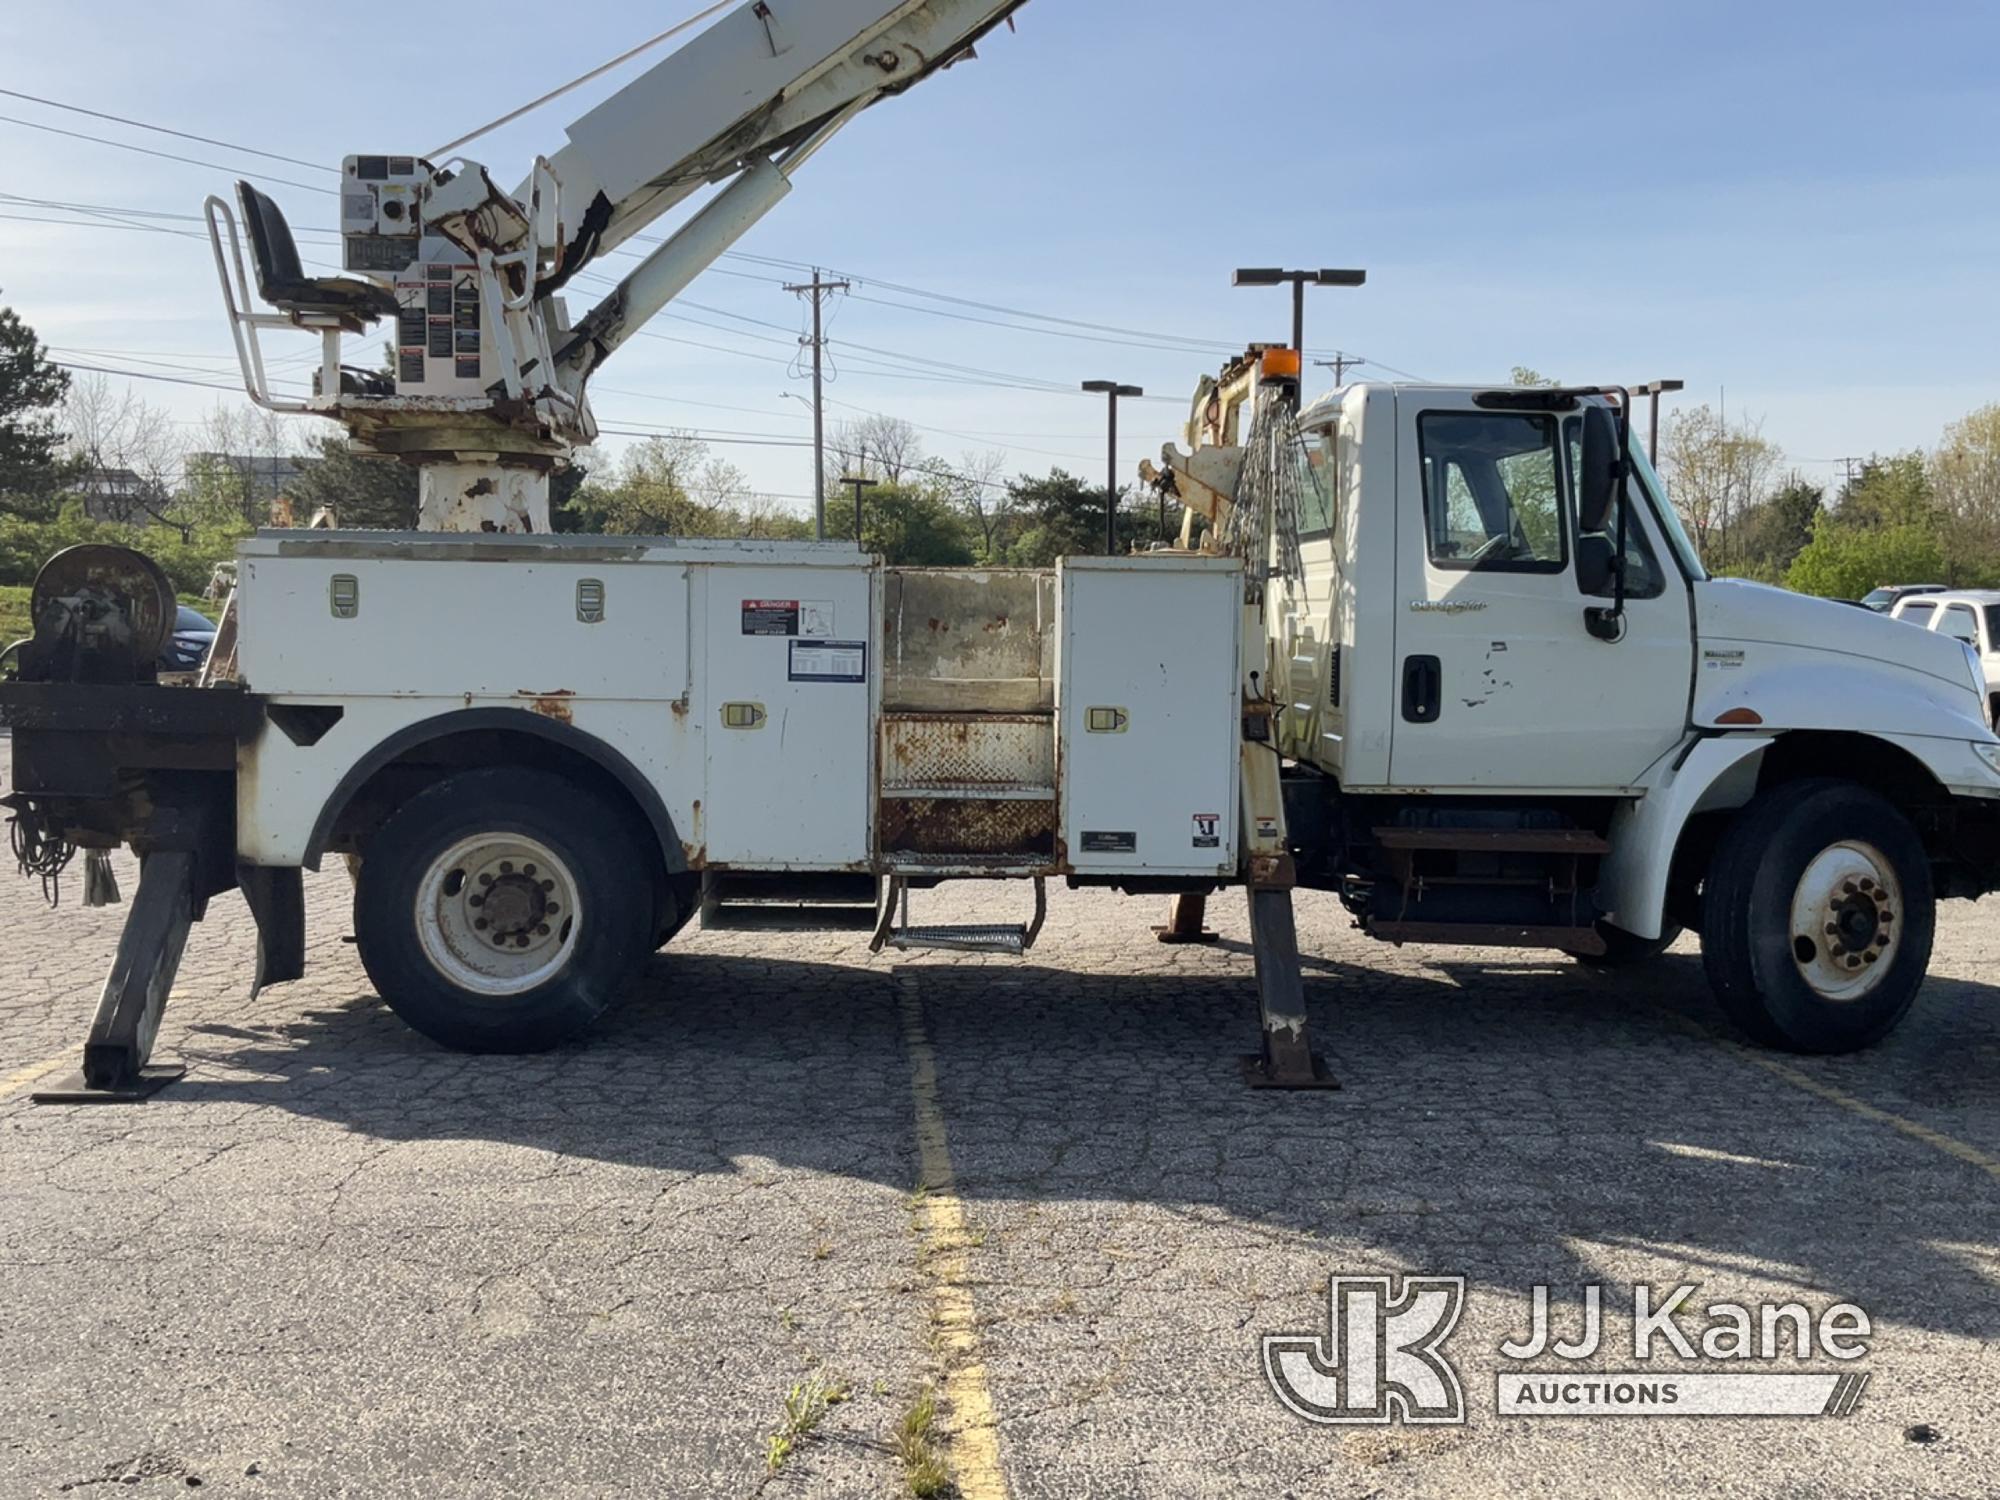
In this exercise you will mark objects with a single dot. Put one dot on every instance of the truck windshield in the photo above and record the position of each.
(1670, 519)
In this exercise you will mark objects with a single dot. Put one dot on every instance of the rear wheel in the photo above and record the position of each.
(499, 910)
(1817, 917)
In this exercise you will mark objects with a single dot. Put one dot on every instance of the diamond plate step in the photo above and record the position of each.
(965, 938)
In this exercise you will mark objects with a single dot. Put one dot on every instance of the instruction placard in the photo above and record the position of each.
(829, 661)
(812, 618)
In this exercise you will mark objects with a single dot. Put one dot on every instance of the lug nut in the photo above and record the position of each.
(480, 925)
(477, 901)
(529, 871)
(547, 885)
(552, 908)
(543, 930)
(507, 868)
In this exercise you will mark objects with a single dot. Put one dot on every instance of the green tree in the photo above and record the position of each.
(1890, 492)
(32, 389)
(1843, 561)
(908, 525)
(1061, 516)
(1716, 471)
(1964, 477)
(363, 492)
(1771, 534)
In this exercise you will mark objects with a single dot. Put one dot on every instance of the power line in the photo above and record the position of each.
(98, 114)
(214, 166)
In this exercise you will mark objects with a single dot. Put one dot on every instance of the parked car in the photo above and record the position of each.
(1887, 597)
(1970, 615)
(187, 648)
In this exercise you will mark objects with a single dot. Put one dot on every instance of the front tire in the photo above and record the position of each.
(1817, 917)
(499, 910)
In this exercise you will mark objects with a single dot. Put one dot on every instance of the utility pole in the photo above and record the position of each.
(1340, 364)
(818, 290)
(1111, 390)
(1299, 281)
(1656, 389)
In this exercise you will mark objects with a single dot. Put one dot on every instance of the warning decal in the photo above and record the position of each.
(770, 617)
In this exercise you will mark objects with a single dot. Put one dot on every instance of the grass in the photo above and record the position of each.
(924, 1468)
(806, 1406)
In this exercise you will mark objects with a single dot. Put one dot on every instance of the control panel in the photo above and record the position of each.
(441, 348)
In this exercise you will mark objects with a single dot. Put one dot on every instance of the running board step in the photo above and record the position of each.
(1491, 935)
(1494, 840)
(893, 929)
(998, 938)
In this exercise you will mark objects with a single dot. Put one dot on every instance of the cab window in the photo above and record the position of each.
(1493, 491)
(1957, 621)
(1917, 612)
(1319, 481)
(1644, 578)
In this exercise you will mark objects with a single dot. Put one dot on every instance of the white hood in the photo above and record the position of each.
(1804, 662)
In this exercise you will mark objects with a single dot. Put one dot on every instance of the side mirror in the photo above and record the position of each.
(1602, 463)
(1596, 564)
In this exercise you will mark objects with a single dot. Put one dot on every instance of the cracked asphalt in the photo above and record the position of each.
(336, 1260)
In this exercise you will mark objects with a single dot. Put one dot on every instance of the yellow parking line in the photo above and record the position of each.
(20, 1078)
(1798, 1078)
(1936, 1139)
(974, 1436)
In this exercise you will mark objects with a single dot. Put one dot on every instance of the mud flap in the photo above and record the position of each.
(276, 897)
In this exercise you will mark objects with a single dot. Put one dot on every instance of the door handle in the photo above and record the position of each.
(1423, 689)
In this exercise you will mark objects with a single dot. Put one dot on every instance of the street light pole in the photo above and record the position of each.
(1656, 389)
(1111, 390)
(861, 487)
(1299, 281)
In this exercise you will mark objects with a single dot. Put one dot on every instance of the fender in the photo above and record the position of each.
(514, 721)
(1716, 771)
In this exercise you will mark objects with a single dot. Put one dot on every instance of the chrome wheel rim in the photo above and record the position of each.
(496, 914)
(1847, 921)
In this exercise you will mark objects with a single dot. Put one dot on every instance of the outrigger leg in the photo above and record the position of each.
(116, 1066)
(1287, 1061)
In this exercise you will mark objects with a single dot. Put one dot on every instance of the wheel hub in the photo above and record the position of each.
(1845, 920)
(495, 913)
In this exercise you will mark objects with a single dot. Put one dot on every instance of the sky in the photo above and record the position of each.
(1794, 206)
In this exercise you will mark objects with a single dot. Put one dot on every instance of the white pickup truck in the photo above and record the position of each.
(1462, 716)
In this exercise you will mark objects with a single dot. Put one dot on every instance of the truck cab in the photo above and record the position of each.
(1490, 741)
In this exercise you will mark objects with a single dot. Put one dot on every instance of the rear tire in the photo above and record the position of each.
(1817, 917)
(499, 910)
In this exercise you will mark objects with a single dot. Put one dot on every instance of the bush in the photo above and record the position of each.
(26, 544)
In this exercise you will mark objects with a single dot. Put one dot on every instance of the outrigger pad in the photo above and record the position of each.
(1258, 1074)
(76, 1090)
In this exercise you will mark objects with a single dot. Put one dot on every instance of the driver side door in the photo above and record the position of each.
(1500, 687)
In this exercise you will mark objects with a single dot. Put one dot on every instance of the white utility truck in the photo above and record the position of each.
(1441, 651)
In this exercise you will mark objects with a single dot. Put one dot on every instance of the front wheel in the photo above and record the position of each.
(1817, 917)
(499, 910)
